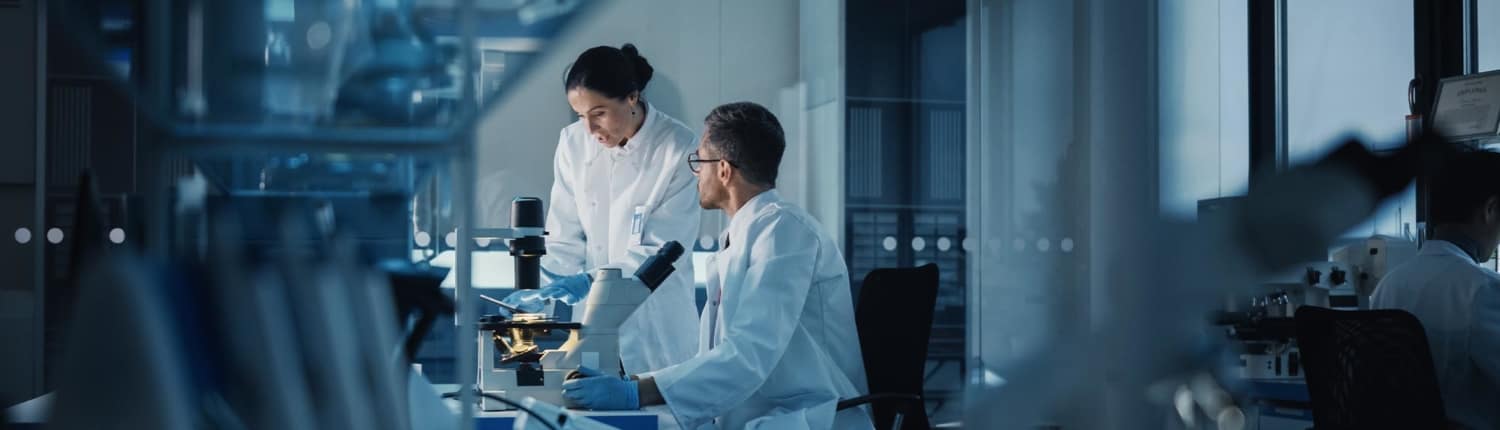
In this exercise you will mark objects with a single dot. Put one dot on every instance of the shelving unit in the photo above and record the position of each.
(198, 81)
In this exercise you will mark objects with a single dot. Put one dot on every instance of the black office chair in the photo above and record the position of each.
(1368, 369)
(894, 319)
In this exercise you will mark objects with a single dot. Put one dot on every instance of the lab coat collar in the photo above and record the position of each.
(1443, 247)
(746, 212)
(643, 136)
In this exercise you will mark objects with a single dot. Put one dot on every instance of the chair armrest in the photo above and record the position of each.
(878, 397)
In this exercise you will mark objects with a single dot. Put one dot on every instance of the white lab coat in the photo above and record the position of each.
(777, 343)
(1458, 303)
(597, 193)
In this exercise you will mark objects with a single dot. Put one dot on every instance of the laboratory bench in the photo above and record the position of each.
(33, 415)
(652, 418)
(623, 420)
(1277, 404)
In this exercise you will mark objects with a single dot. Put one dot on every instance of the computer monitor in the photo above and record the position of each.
(1468, 107)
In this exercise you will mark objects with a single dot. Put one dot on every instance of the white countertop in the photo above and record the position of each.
(496, 269)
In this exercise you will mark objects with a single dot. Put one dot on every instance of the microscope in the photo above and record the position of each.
(512, 365)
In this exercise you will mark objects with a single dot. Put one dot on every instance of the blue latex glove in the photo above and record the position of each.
(602, 393)
(568, 290)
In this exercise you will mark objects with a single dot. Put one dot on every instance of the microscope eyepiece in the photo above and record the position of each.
(659, 266)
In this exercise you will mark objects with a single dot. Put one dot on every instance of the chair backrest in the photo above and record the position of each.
(894, 319)
(1368, 369)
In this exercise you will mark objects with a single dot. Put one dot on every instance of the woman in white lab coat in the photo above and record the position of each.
(621, 190)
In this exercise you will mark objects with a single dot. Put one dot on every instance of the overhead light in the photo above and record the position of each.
(543, 10)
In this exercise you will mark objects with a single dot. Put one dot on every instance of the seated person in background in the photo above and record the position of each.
(1456, 299)
(777, 346)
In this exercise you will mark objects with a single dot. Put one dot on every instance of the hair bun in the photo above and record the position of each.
(643, 69)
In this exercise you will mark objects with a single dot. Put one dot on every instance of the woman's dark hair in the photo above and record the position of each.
(613, 72)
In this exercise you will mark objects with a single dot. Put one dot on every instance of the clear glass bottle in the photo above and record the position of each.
(281, 95)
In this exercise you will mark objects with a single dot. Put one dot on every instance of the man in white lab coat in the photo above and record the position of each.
(1456, 299)
(777, 342)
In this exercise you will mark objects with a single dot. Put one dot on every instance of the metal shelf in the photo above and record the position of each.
(231, 140)
(450, 143)
(220, 84)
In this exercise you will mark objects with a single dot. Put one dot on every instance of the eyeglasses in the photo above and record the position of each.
(694, 163)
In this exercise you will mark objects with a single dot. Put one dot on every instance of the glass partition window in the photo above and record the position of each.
(905, 186)
(1488, 16)
(1204, 90)
(1348, 66)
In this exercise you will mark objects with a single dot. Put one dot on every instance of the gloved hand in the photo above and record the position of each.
(568, 290)
(602, 393)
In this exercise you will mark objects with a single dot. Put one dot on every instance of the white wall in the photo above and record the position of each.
(706, 53)
(822, 146)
